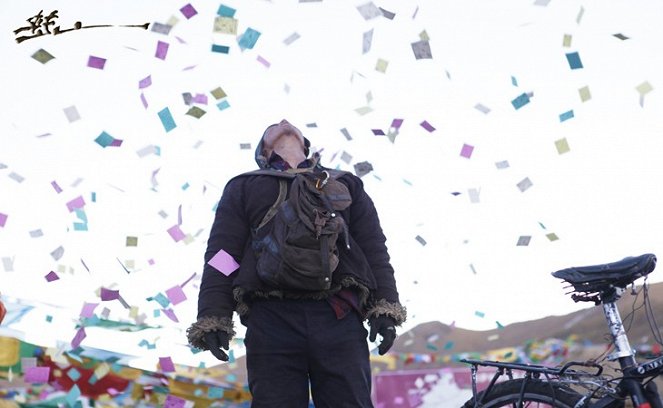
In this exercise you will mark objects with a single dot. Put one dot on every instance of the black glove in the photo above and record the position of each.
(216, 340)
(386, 327)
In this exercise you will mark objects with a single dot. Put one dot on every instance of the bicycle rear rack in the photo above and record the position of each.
(531, 371)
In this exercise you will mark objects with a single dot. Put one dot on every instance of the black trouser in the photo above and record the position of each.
(290, 343)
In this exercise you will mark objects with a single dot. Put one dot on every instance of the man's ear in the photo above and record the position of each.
(307, 145)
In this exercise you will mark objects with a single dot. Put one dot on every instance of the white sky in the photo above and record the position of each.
(602, 198)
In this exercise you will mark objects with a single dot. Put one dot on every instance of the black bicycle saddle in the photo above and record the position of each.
(596, 278)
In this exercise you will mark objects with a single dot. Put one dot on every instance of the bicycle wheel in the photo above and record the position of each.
(537, 394)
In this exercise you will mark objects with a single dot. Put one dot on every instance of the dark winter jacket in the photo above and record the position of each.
(364, 267)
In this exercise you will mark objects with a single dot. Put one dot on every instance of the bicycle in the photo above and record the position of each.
(579, 384)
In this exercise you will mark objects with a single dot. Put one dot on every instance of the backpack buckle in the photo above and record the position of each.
(320, 183)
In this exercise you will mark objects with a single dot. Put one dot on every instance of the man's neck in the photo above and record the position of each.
(293, 156)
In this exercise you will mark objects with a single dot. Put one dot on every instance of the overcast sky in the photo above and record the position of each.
(580, 160)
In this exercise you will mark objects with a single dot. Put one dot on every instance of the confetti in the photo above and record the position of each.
(466, 151)
(176, 295)
(57, 253)
(218, 93)
(345, 133)
(167, 119)
(225, 25)
(223, 262)
(263, 61)
(225, 11)
(188, 11)
(421, 50)
(176, 233)
(520, 101)
(162, 50)
(109, 294)
(566, 42)
(387, 14)
(481, 108)
(427, 126)
(42, 56)
(585, 95)
(3, 219)
(562, 146)
(621, 36)
(363, 168)
(367, 41)
(420, 240)
(51, 276)
(248, 39)
(96, 62)
(161, 28)
(552, 237)
(369, 11)
(523, 240)
(72, 114)
(78, 338)
(36, 375)
(88, 309)
(524, 184)
(291, 38)
(222, 49)
(566, 116)
(381, 65)
(145, 82)
(574, 60)
(196, 112)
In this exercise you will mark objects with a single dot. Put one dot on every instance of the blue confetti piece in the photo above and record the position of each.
(104, 139)
(74, 374)
(223, 49)
(514, 82)
(162, 300)
(566, 116)
(520, 101)
(167, 119)
(223, 105)
(248, 39)
(73, 395)
(225, 11)
(574, 60)
(215, 392)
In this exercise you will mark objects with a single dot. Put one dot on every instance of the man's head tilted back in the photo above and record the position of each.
(280, 137)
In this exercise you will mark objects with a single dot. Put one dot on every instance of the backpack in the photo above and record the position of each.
(296, 241)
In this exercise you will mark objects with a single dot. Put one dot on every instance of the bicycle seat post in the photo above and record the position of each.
(623, 351)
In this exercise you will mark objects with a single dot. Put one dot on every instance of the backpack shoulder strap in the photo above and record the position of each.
(283, 189)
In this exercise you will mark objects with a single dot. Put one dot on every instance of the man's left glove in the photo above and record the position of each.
(386, 327)
(216, 340)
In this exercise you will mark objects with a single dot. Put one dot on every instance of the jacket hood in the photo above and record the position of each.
(262, 161)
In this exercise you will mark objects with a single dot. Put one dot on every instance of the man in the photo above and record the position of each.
(296, 338)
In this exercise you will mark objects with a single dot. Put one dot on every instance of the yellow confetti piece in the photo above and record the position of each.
(562, 146)
(381, 65)
(567, 40)
(585, 95)
(644, 88)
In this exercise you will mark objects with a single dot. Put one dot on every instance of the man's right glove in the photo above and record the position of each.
(216, 340)
(386, 327)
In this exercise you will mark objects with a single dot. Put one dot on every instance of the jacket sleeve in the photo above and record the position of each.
(229, 232)
(367, 233)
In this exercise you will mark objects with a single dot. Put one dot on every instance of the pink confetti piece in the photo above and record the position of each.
(162, 50)
(37, 375)
(427, 126)
(170, 313)
(200, 98)
(51, 276)
(176, 233)
(96, 62)
(466, 151)
(188, 11)
(109, 294)
(78, 338)
(174, 402)
(176, 295)
(88, 309)
(3, 219)
(145, 82)
(166, 364)
(56, 187)
(223, 263)
(76, 203)
(263, 61)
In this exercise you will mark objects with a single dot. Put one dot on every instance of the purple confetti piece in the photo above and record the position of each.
(108, 294)
(51, 276)
(76, 203)
(171, 314)
(3, 219)
(176, 295)
(378, 132)
(174, 402)
(96, 62)
(143, 100)
(223, 262)
(263, 61)
(427, 126)
(396, 123)
(162, 50)
(78, 338)
(145, 82)
(176, 233)
(200, 98)
(56, 187)
(88, 310)
(188, 11)
(466, 151)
